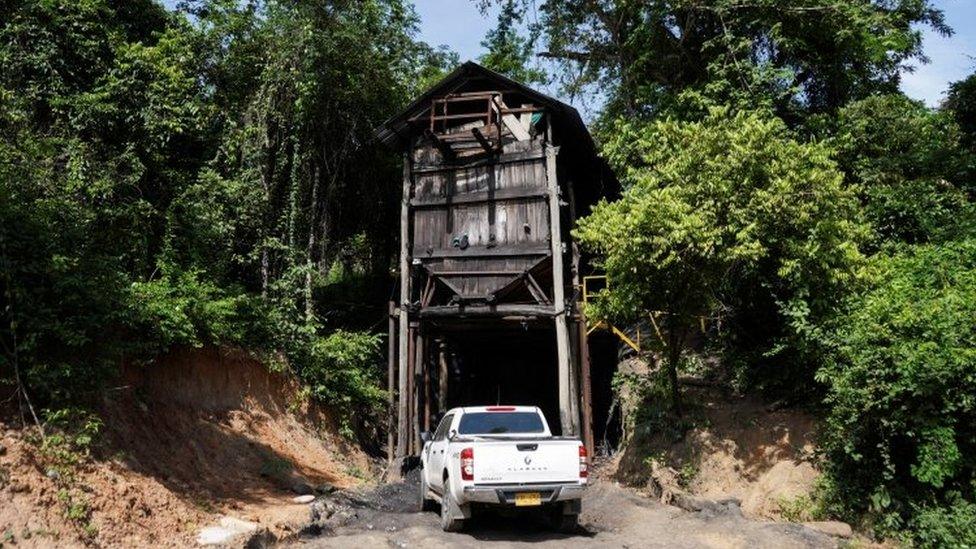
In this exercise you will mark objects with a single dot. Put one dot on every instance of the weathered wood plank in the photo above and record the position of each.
(501, 310)
(587, 389)
(442, 379)
(429, 164)
(500, 195)
(484, 251)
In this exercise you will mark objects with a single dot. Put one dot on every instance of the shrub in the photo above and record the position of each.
(341, 370)
(902, 390)
(952, 525)
(185, 309)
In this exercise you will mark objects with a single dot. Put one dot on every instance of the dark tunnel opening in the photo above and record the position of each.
(494, 363)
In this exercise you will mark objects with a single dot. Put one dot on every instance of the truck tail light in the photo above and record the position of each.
(584, 466)
(467, 464)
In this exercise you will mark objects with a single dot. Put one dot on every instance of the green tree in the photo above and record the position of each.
(100, 121)
(961, 103)
(801, 57)
(908, 166)
(195, 177)
(711, 208)
(509, 52)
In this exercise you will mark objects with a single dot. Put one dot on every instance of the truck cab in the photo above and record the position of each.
(501, 456)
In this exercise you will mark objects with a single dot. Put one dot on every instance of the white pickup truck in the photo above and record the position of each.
(502, 456)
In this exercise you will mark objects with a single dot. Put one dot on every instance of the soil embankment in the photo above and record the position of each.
(732, 447)
(194, 436)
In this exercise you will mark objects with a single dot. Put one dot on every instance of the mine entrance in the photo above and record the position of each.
(504, 366)
(487, 362)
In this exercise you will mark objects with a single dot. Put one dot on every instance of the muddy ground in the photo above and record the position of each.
(613, 516)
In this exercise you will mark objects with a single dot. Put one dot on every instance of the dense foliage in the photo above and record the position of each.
(961, 102)
(907, 165)
(198, 177)
(804, 56)
(717, 210)
(902, 387)
(508, 51)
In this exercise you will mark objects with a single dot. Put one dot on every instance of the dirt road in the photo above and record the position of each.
(613, 516)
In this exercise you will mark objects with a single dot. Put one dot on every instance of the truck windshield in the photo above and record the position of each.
(495, 423)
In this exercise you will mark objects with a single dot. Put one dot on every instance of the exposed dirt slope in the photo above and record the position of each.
(197, 434)
(741, 448)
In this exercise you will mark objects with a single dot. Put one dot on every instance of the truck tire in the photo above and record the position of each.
(426, 504)
(566, 524)
(448, 522)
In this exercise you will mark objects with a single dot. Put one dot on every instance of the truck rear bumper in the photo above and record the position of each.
(505, 494)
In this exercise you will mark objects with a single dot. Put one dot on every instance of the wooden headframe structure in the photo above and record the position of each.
(494, 176)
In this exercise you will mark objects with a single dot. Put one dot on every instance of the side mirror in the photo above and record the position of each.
(425, 437)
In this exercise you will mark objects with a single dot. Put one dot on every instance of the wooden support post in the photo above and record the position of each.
(391, 384)
(577, 339)
(416, 378)
(426, 421)
(584, 347)
(574, 373)
(558, 295)
(411, 388)
(403, 423)
(442, 379)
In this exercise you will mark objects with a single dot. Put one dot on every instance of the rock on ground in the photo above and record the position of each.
(227, 529)
(831, 528)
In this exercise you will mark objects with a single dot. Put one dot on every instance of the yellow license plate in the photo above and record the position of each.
(525, 499)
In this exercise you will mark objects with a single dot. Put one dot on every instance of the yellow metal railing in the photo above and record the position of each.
(587, 293)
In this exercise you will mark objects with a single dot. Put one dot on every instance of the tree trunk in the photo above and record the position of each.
(310, 247)
(265, 268)
(675, 343)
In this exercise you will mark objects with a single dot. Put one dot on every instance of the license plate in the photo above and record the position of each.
(525, 499)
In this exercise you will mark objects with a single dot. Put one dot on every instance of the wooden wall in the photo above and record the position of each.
(498, 203)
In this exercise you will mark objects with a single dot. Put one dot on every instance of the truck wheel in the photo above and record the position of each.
(426, 504)
(448, 522)
(566, 524)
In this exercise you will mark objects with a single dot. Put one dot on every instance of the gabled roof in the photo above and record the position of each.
(592, 177)
(471, 76)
